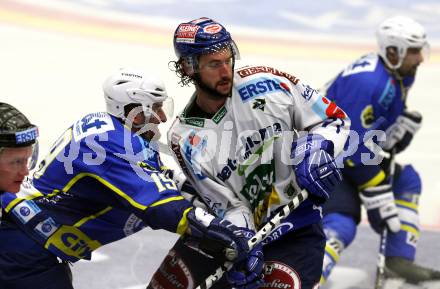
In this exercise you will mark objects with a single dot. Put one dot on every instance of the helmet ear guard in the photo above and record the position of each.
(402, 33)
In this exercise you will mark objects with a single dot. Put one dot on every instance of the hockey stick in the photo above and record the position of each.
(274, 222)
(259, 236)
(380, 267)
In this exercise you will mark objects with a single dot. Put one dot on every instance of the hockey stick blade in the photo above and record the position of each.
(259, 236)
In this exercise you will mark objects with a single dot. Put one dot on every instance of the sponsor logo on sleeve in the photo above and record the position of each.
(332, 110)
(388, 94)
(308, 92)
(26, 210)
(46, 228)
(193, 149)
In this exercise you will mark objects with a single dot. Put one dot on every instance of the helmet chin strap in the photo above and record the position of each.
(138, 126)
(394, 71)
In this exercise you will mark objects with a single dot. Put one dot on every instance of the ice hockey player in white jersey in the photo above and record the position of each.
(248, 140)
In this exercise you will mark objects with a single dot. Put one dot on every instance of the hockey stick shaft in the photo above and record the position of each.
(259, 236)
(380, 267)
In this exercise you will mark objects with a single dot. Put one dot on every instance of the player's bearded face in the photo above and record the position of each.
(215, 73)
(411, 62)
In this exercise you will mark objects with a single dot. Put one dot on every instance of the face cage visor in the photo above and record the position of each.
(425, 50)
(22, 138)
(153, 113)
(229, 48)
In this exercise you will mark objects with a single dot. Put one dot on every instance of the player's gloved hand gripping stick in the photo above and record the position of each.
(259, 237)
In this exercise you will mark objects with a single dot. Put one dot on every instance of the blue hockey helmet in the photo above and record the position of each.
(201, 36)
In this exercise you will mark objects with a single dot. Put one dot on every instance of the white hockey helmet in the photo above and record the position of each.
(133, 86)
(403, 33)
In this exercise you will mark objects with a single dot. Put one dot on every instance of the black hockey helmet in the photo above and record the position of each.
(15, 129)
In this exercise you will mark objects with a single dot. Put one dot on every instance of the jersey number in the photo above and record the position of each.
(163, 183)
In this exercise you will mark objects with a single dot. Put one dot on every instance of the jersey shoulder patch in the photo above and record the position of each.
(94, 123)
(367, 63)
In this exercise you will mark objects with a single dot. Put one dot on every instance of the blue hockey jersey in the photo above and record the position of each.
(366, 91)
(99, 183)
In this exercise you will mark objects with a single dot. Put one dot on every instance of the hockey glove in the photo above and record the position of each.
(400, 134)
(216, 237)
(381, 208)
(315, 168)
(248, 274)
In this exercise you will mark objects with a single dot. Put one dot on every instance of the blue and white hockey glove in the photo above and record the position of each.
(400, 134)
(315, 167)
(215, 237)
(248, 274)
(381, 208)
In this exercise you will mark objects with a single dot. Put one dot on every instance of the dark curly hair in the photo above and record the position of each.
(177, 67)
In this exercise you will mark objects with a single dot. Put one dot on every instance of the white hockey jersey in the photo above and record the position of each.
(239, 160)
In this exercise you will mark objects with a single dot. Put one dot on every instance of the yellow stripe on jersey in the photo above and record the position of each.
(164, 201)
(183, 224)
(407, 204)
(332, 252)
(108, 185)
(377, 179)
(28, 195)
(91, 217)
(350, 163)
(411, 230)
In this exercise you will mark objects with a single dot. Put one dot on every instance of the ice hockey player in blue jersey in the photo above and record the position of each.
(102, 181)
(375, 86)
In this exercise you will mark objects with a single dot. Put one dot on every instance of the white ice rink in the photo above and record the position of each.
(54, 56)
